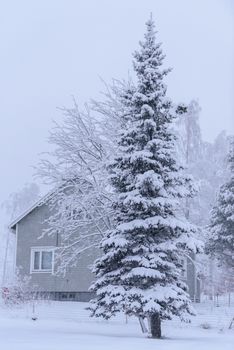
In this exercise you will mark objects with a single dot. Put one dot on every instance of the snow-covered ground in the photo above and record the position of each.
(67, 326)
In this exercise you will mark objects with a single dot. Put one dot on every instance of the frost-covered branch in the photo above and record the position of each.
(80, 206)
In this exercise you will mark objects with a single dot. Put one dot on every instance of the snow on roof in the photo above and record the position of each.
(38, 203)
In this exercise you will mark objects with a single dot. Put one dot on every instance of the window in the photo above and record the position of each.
(42, 259)
(70, 296)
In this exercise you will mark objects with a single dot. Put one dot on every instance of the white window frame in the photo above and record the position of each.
(40, 250)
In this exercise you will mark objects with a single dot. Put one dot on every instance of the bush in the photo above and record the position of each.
(205, 325)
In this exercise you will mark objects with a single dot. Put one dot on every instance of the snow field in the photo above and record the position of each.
(67, 326)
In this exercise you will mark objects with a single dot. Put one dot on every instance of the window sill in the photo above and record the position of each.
(42, 271)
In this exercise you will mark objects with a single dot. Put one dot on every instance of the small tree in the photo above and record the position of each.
(221, 242)
(139, 271)
(19, 291)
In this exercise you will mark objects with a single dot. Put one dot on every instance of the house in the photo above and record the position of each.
(35, 258)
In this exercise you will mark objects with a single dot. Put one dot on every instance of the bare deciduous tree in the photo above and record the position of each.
(81, 201)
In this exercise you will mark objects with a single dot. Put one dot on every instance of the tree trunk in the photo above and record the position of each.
(155, 325)
(142, 324)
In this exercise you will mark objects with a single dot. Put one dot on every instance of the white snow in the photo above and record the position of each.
(67, 326)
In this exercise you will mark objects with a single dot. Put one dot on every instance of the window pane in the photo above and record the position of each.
(46, 262)
(36, 265)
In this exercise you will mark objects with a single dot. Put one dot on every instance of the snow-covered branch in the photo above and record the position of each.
(83, 144)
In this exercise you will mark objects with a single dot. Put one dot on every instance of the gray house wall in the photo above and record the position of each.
(77, 279)
(75, 284)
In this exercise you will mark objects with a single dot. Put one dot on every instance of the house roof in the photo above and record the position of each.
(39, 202)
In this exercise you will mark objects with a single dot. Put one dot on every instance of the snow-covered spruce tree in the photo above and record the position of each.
(221, 242)
(139, 271)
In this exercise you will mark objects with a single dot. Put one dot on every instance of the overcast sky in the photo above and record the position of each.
(52, 49)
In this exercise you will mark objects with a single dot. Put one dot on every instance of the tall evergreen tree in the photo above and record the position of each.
(221, 241)
(139, 271)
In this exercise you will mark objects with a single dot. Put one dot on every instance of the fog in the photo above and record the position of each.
(53, 49)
